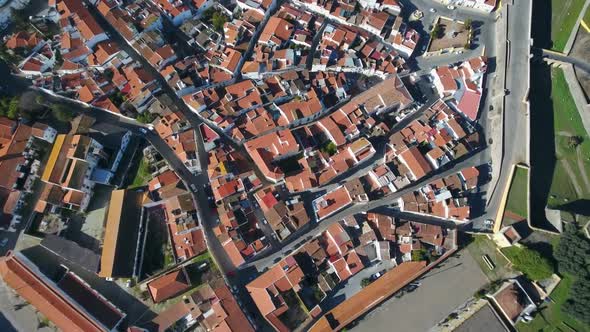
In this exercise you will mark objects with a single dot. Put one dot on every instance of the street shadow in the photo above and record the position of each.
(542, 147)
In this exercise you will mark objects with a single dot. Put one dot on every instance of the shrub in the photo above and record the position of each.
(574, 141)
(530, 262)
(329, 148)
(62, 113)
(365, 282)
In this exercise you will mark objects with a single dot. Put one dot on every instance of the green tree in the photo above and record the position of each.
(40, 99)
(578, 304)
(218, 21)
(530, 262)
(574, 141)
(365, 282)
(329, 148)
(573, 257)
(437, 32)
(13, 108)
(146, 117)
(118, 98)
(7, 55)
(20, 20)
(59, 60)
(108, 74)
(4, 105)
(62, 113)
(573, 253)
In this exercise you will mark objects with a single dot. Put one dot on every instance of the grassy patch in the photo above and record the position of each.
(562, 189)
(517, 197)
(587, 16)
(530, 262)
(480, 246)
(567, 117)
(567, 121)
(158, 251)
(143, 174)
(551, 317)
(563, 19)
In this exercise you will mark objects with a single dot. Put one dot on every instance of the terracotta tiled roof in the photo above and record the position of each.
(168, 285)
(44, 297)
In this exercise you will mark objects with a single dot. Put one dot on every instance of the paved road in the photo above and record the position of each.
(486, 29)
(442, 290)
(16, 314)
(483, 23)
(515, 131)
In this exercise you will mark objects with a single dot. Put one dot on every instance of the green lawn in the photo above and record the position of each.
(551, 318)
(587, 16)
(567, 121)
(563, 19)
(143, 174)
(481, 245)
(517, 197)
(530, 262)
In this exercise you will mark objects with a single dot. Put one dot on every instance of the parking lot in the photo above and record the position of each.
(441, 290)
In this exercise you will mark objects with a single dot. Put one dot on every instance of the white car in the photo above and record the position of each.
(451, 7)
(4, 242)
(143, 131)
(432, 10)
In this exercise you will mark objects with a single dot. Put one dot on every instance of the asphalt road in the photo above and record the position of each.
(515, 130)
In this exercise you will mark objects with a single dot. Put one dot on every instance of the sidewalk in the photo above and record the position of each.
(495, 118)
(464, 312)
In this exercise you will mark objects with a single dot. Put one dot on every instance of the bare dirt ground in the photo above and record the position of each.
(581, 50)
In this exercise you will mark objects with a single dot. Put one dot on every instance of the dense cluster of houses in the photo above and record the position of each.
(296, 289)
(291, 99)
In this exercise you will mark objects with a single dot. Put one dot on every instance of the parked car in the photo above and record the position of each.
(4, 242)
(432, 10)
(143, 131)
(375, 276)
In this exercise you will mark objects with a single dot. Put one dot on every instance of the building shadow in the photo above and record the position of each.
(541, 25)
(581, 206)
(542, 147)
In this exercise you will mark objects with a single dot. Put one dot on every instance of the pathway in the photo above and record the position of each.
(572, 176)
